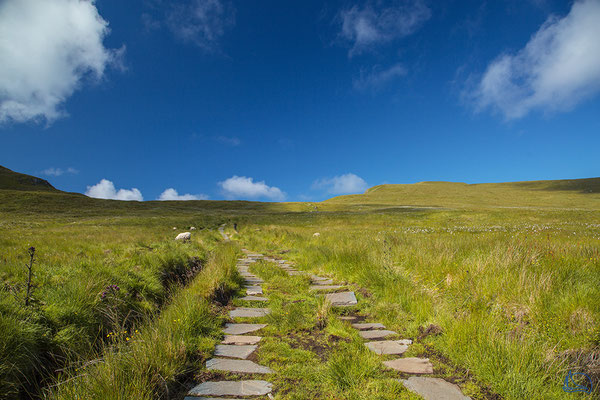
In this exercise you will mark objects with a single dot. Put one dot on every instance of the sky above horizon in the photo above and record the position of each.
(296, 101)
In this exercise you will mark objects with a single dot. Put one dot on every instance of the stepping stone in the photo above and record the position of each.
(247, 312)
(240, 340)
(253, 290)
(347, 318)
(368, 326)
(318, 278)
(433, 388)
(240, 329)
(411, 365)
(239, 351)
(326, 282)
(243, 366)
(254, 281)
(341, 299)
(376, 334)
(254, 298)
(232, 388)
(324, 288)
(389, 346)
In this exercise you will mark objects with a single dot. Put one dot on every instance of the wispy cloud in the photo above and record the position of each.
(47, 49)
(558, 68)
(367, 26)
(242, 187)
(59, 171)
(342, 184)
(202, 22)
(230, 141)
(377, 77)
(171, 194)
(105, 189)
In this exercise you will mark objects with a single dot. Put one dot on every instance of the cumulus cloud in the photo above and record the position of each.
(342, 184)
(370, 25)
(59, 171)
(244, 187)
(171, 194)
(378, 77)
(105, 189)
(47, 48)
(202, 22)
(558, 68)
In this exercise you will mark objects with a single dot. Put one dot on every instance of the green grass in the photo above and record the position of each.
(513, 299)
(510, 272)
(152, 361)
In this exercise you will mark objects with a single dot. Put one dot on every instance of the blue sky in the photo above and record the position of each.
(291, 101)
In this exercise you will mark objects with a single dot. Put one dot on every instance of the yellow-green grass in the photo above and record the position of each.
(155, 360)
(516, 292)
(575, 193)
(73, 305)
(509, 271)
(313, 354)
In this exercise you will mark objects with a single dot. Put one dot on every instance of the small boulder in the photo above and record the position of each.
(184, 236)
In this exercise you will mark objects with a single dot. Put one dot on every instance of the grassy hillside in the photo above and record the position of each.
(573, 193)
(509, 271)
(10, 180)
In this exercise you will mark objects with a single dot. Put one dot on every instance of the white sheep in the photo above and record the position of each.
(184, 236)
(193, 228)
(316, 234)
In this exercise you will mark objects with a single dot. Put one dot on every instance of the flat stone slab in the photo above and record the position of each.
(411, 365)
(295, 273)
(254, 298)
(243, 366)
(347, 318)
(234, 351)
(324, 288)
(433, 388)
(240, 339)
(318, 278)
(248, 312)
(376, 334)
(368, 326)
(253, 290)
(389, 346)
(232, 388)
(341, 299)
(325, 282)
(240, 329)
(253, 281)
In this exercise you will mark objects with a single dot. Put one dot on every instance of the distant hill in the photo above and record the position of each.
(568, 193)
(11, 180)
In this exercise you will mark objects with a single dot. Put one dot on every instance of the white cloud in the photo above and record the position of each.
(47, 48)
(243, 187)
(202, 22)
(171, 194)
(59, 171)
(370, 25)
(377, 77)
(105, 189)
(558, 68)
(342, 184)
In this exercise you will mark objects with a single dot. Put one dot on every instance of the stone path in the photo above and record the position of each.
(231, 355)
(428, 388)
